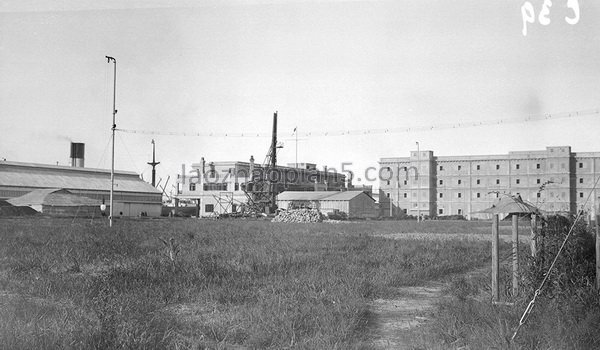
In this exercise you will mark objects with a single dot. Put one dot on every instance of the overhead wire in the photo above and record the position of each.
(379, 131)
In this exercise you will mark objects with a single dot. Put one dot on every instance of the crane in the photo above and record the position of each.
(262, 187)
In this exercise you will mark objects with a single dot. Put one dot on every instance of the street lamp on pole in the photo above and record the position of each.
(113, 127)
(398, 189)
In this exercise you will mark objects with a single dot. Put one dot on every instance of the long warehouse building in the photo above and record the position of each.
(132, 195)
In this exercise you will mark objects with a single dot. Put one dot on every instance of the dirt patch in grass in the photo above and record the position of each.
(393, 319)
(395, 323)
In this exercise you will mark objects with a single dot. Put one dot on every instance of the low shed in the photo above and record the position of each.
(58, 202)
(356, 204)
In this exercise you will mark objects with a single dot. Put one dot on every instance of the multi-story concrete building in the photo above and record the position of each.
(556, 180)
(218, 187)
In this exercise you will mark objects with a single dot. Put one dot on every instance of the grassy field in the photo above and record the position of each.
(255, 284)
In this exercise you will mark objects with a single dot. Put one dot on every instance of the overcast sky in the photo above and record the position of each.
(226, 66)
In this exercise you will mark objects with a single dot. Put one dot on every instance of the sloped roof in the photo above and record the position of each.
(319, 195)
(50, 176)
(303, 195)
(347, 195)
(511, 205)
(53, 197)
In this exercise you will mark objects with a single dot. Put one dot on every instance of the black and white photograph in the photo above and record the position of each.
(299, 174)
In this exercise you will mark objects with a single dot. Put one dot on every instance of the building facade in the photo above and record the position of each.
(555, 180)
(218, 187)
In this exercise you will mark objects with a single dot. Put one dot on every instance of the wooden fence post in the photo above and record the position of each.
(495, 260)
(534, 234)
(598, 250)
(515, 248)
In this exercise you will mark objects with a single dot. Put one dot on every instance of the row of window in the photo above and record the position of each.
(478, 181)
(517, 166)
(219, 186)
(441, 211)
(478, 195)
(210, 208)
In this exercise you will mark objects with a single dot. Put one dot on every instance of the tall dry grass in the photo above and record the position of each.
(254, 284)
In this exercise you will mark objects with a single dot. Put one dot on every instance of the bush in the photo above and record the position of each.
(567, 312)
(337, 215)
(451, 217)
(566, 315)
(575, 266)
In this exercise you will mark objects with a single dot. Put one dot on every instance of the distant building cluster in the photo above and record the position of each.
(556, 179)
(217, 188)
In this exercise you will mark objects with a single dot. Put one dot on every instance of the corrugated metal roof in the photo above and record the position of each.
(319, 195)
(48, 176)
(52, 197)
(303, 195)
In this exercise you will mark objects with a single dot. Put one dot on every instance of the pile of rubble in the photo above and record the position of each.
(299, 215)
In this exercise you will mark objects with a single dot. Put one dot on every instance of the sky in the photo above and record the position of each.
(224, 67)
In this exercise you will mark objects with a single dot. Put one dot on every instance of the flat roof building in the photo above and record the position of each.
(555, 180)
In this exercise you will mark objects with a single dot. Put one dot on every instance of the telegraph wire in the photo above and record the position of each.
(101, 160)
(354, 132)
(131, 159)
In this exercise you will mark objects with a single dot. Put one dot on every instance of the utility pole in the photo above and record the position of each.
(398, 189)
(515, 251)
(296, 132)
(495, 261)
(598, 248)
(391, 200)
(154, 163)
(418, 183)
(114, 126)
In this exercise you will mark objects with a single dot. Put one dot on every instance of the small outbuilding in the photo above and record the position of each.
(355, 204)
(58, 202)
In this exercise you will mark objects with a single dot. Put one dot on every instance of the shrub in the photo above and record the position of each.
(566, 315)
(575, 266)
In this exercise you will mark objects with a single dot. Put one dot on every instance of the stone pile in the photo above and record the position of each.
(299, 215)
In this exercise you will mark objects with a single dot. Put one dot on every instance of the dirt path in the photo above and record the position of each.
(394, 319)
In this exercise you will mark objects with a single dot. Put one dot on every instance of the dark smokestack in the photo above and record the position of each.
(77, 154)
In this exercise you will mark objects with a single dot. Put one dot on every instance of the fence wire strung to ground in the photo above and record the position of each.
(538, 291)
